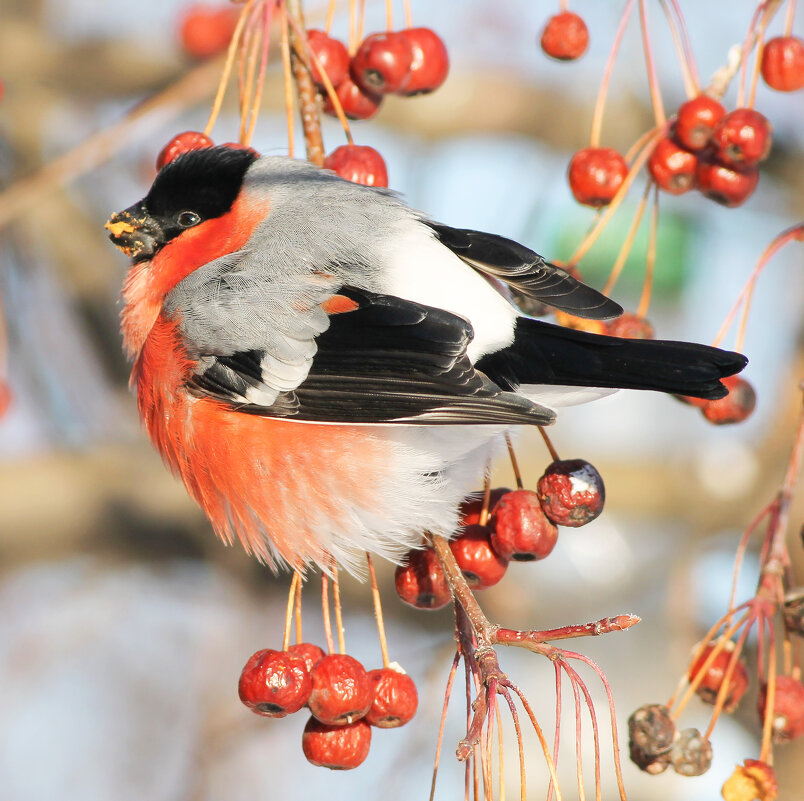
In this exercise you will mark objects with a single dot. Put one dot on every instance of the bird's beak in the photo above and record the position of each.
(135, 232)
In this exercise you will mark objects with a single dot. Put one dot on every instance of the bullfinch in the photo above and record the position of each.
(329, 371)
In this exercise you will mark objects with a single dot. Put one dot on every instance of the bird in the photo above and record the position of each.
(329, 371)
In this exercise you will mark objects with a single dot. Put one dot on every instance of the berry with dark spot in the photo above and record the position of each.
(519, 528)
(275, 683)
(341, 747)
(420, 582)
(571, 492)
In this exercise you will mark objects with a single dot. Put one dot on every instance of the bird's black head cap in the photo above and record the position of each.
(205, 181)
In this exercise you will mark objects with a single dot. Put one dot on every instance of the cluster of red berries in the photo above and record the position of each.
(713, 151)
(565, 37)
(345, 700)
(521, 527)
(206, 30)
(409, 62)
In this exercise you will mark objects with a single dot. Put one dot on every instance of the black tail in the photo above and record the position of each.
(551, 354)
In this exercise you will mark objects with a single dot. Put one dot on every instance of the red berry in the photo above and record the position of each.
(519, 528)
(783, 63)
(571, 492)
(695, 121)
(734, 407)
(395, 698)
(5, 398)
(630, 326)
(751, 781)
(788, 708)
(336, 747)
(341, 690)
(274, 683)
(357, 104)
(712, 680)
(595, 175)
(331, 54)
(205, 30)
(238, 146)
(472, 506)
(358, 163)
(672, 167)
(421, 582)
(182, 143)
(311, 654)
(430, 63)
(480, 564)
(742, 138)
(565, 37)
(382, 63)
(728, 186)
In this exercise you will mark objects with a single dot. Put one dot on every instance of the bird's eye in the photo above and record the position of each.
(187, 219)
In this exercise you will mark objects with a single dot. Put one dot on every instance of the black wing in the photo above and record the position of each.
(387, 361)
(526, 272)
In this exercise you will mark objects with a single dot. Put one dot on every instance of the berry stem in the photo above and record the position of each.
(330, 16)
(741, 548)
(331, 93)
(788, 18)
(628, 242)
(523, 785)
(723, 690)
(612, 714)
(249, 71)
(353, 35)
(653, 80)
(690, 54)
(756, 30)
(408, 15)
(549, 443)
(605, 625)
(361, 22)
(563, 6)
(375, 596)
(542, 740)
(326, 613)
(604, 218)
(766, 750)
(650, 256)
(578, 741)
(557, 728)
(500, 752)
(227, 66)
(389, 15)
(336, 598)
(691, 87)
(305, 88)
(298, 609)
(514, 463)
(794, 232)
(294, 584)
(447, 693)
(600, 103)
(287, 73)
(484, 509)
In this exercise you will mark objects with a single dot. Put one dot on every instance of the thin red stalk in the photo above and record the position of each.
(500, 751)
(578, 740)
(548, 442)
(503, 636)
(252, 52)
(375, 597)
(650, 256)
(600, 104)
(330, 16)
(628, 242)
(514, 463)
(298, 609)
(738, 559)
(523, 792)
(576, 679)
(794, 232)
(408, 15)
(542, 741)
(325, 612)
(336, 598)
(557, 737)
(389, 15)
(691, 88)
(788, 18)
(266, 43)
(484, 509)
(687, 46)
(653, 80)
(766, 751)
(287, 72)
(440, 740)
(294, 582)
(612, 714)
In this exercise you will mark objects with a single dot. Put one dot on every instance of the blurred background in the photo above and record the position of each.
(124, 623)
